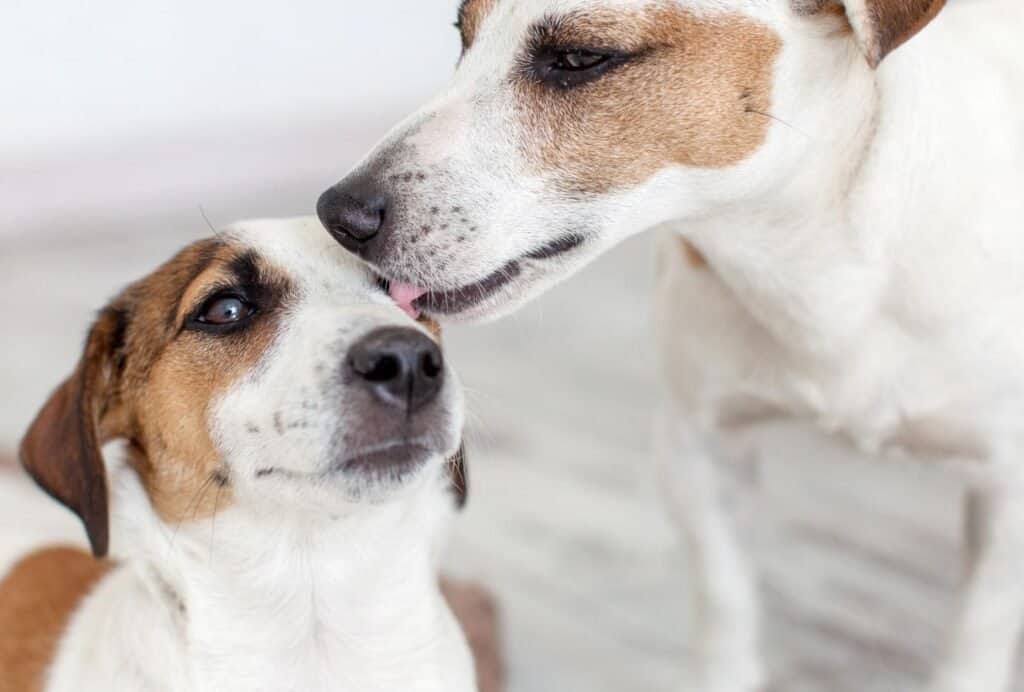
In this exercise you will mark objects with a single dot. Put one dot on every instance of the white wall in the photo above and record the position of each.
(76, 71)
(107, 102)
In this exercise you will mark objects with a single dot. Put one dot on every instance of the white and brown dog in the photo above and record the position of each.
(845, 246)
(292, 458)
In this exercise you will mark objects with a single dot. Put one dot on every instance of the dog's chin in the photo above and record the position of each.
(370, 474)
(388, 464)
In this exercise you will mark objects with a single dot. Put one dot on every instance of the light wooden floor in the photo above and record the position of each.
(565, 522)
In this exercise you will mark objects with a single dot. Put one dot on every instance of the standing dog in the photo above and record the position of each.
(846, 246)
(277, 518)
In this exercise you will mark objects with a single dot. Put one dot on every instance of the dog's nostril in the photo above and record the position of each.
(430, 365)
(383, 369)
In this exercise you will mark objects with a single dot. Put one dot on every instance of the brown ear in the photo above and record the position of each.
(61, 450)
(881, 26)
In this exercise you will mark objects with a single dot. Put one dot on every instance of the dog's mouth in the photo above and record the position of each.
(387, 461)
(417, 300)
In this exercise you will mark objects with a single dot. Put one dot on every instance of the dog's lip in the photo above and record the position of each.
(382, 459)
(392, 457)
(415, 299)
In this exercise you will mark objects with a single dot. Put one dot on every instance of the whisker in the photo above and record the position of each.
(193, 505)
(213, 229)
(213, 519)
(779, 120)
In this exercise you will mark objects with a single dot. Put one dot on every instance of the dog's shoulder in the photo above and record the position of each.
(37, 599)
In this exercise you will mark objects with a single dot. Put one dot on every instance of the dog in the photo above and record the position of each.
(292, 455)
(837, 184)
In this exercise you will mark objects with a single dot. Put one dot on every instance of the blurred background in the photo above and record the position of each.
(127, 126)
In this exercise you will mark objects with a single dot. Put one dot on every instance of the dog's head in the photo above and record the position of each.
(264, 368)
(572, 124)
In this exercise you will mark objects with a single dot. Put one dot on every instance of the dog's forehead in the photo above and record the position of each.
(522, 14)
(497, 33)
(305, 253)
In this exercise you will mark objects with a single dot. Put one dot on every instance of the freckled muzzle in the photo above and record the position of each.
(402, 216)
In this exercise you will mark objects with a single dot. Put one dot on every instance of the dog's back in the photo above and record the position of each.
(37, 598)
(39, 587)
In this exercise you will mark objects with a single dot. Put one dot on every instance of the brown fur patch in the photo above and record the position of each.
(148, 379)
(697, 94)
(37, 599)
(432, 326)
(471, 15)
(175, 453)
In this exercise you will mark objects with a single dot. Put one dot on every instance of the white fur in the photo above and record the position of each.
(303, 582)
(865, 278)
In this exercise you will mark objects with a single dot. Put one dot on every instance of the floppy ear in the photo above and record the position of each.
(61, 450)
(881, 26)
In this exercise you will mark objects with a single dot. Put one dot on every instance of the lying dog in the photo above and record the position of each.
(845, 251)
(276, 520)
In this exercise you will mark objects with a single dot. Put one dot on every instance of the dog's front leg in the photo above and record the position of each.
(991, 609)
(724, 609)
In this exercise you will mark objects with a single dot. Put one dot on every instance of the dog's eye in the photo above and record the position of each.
(568, 67)
(223, 311)
(578, 60)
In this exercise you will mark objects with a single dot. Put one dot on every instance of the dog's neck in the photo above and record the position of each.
(877, 216)
(268, 599)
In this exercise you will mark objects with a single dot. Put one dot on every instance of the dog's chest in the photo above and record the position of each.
(892, 393)
(277, 656)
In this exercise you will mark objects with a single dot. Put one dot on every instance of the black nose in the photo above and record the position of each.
(353, 214)
(400, 366)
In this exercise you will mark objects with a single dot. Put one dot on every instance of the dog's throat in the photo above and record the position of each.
(170, 595)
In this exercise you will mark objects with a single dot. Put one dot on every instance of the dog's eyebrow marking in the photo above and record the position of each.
(245, 269)
(588, 30)
(205, 254)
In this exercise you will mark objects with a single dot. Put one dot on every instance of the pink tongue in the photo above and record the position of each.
(404, 295)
